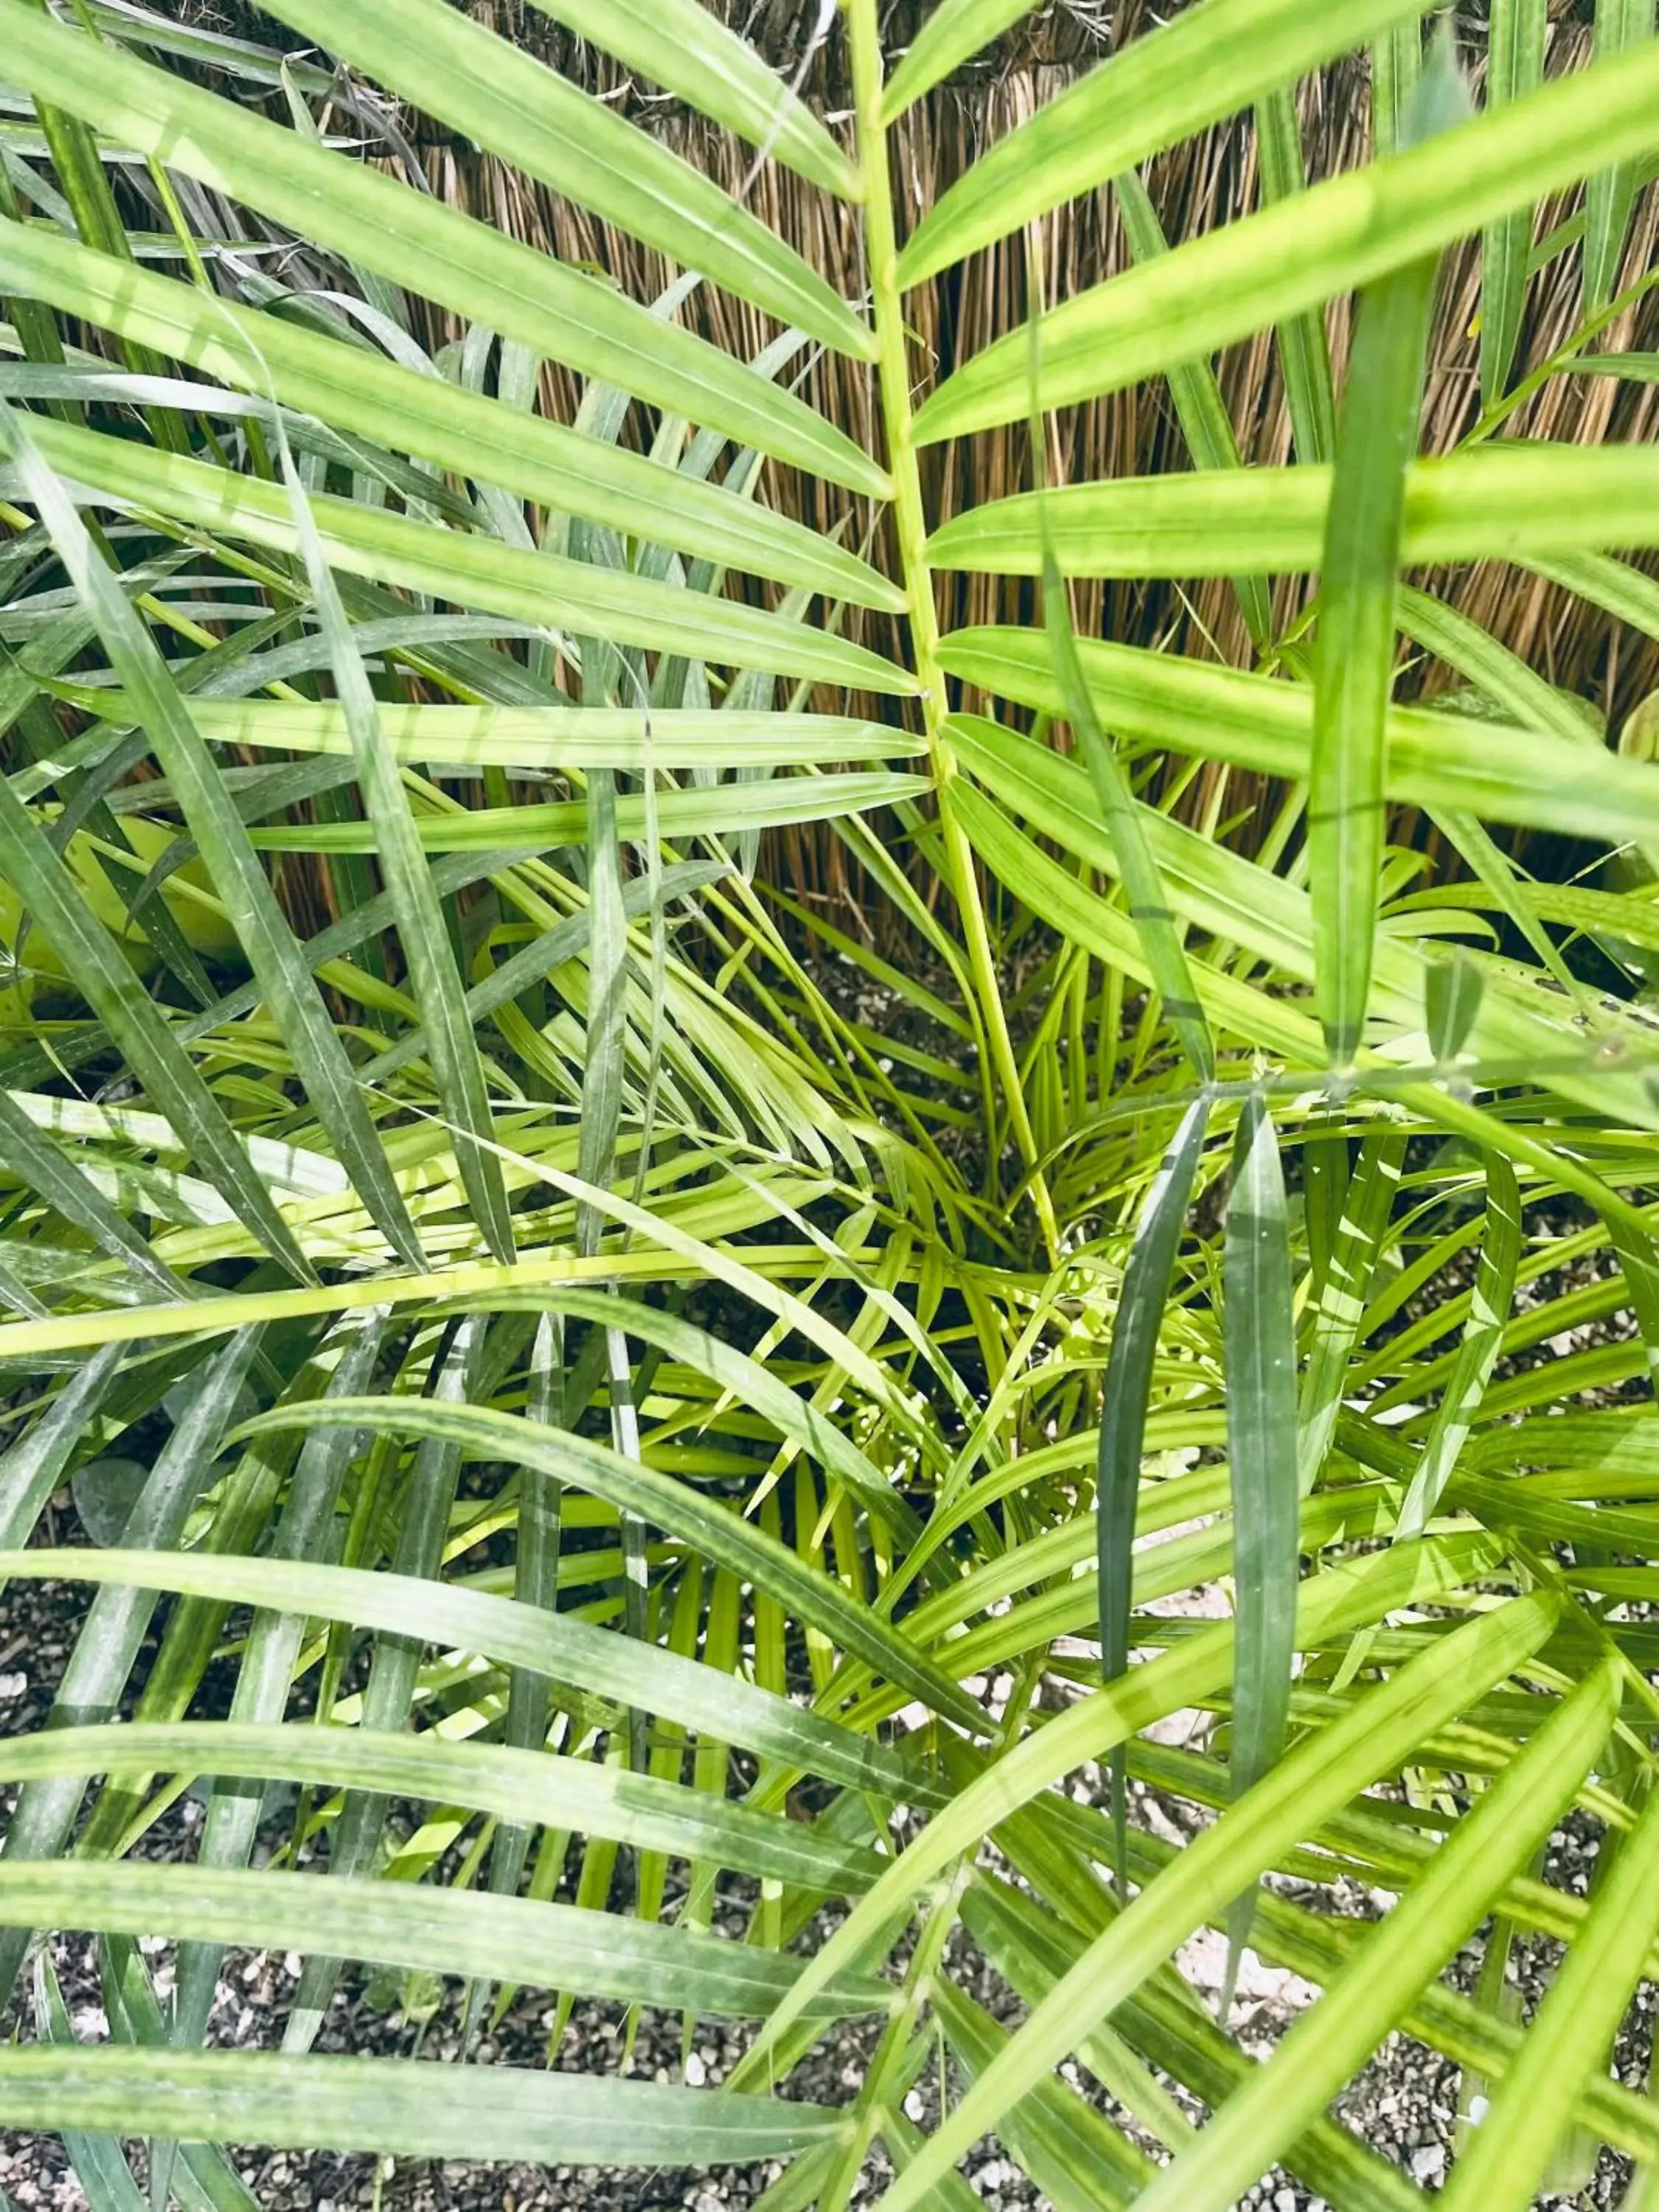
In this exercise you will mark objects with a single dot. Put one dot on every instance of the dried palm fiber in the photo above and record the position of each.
(1199, 185)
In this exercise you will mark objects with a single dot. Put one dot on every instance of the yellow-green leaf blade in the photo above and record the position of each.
(358, 388)
(1500, 771)
(1487, 1849)
(478, 272)
(948, 36)
(414, 1925)
(1378, 1730)
(506, 103)
(1339, 235)
(1566, 2045)
(1211, 61)
(1304, 346)
(657, 1498)
(458, 566)
(708, 811)
(434, 978)
(683, 46)
(1492, 1296)
(1149, 906)
(399, 2106)
(1494, 502)
(556, 1644)
(545, 738)
(1341, 1598)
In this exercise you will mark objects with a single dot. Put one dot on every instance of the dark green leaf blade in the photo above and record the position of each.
(451, 1043)
(1260, 1337)
(273, 953)
(1123, 1409)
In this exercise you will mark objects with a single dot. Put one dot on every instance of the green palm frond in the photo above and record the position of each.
(714, 1405)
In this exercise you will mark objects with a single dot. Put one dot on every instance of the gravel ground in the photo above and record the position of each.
(1404, 2104)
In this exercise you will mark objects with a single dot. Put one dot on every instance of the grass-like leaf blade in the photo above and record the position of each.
(1514, 66)
(479, 273)
(1386, 1723)
(1492, 1296)
(400, 2106)
(1610, 194)
(1339, 235)
(450, 1044)
(1260, 1341)
(497, 96)
(1304, 346)
(1150, 909)
(1449, 1898)
(1353, 648)
(1127, 1388)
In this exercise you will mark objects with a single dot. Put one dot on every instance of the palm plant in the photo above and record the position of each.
(531, 1284)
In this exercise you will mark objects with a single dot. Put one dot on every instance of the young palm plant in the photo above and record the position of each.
(580, 1379)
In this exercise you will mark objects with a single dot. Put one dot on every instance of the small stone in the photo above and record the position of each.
(695, 2072)
(13, 1686)
(1284, 2200)
(1428, 2163)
